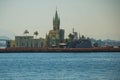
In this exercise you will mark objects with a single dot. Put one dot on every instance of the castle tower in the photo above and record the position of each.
(56, 36)
(56, 22)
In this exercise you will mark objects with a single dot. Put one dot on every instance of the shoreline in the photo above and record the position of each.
(67, 50)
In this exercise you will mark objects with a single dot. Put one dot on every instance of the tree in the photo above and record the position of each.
(26, 32)
(71, 36)
(83, 37)
(36, 33)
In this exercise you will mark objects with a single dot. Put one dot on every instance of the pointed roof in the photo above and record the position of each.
(56, 21)
(56, 16)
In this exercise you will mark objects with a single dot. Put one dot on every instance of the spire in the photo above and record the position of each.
(56, 15)
(56, 21)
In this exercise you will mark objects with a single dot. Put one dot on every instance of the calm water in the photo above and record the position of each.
(60, 66)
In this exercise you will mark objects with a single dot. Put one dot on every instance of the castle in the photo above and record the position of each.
(55, 36)
(54, 39)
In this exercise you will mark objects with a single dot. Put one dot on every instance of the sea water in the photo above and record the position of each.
(60, 66)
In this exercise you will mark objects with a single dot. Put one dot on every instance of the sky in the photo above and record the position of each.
(99, 19)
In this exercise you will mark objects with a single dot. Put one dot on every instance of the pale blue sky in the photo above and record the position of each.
(99, 19)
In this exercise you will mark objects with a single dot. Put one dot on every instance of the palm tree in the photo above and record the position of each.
(36, 33)
(26, 32)
(26, 40)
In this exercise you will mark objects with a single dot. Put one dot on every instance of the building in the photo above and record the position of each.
(24, 41)
(55, 36)
(29, 42)
(38, 43)
(10, 43)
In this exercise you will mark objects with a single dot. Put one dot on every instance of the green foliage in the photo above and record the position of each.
(36, 33)
(71, 36)
(26, 32)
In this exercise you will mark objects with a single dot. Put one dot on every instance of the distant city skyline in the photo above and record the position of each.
(98, 19)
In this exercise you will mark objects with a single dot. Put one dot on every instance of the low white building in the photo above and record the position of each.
(38, 43)
(29, 42)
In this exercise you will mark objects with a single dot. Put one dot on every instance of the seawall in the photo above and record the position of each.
(19, 50)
